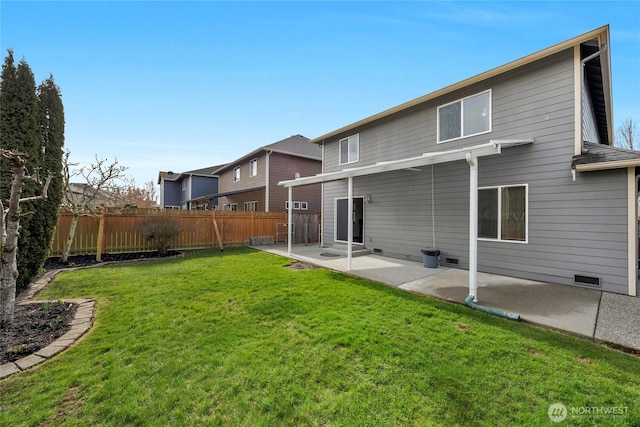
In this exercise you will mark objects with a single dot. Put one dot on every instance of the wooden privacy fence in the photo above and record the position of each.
(118, 232)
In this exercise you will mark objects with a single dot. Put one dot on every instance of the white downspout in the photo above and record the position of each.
(473, 226)
(290, 221)
(266, 193)
(350, 223)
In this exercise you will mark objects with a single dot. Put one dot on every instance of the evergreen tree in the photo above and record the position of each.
(9, 125)
(45, 216)
(20, 130)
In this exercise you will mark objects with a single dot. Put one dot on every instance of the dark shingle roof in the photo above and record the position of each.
(599, 153)
(297, 144)
(174, 176)
(203, 171)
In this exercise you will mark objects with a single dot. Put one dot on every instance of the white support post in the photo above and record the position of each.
(290, 221)
(350, 223)
(473, 226)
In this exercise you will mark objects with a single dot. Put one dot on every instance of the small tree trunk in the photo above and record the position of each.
(8, 276)
(70, 236)
(8, 263)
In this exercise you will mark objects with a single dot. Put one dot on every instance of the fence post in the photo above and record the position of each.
(213, 232)
(100, 236)
(251, 227)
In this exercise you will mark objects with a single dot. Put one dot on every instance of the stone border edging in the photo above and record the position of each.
(80, 324)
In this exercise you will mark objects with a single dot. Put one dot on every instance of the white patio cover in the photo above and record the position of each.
(470, 154)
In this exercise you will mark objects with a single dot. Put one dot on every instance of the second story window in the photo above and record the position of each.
(253, 167)
(349, 149)
(465, 117)
(236, 174)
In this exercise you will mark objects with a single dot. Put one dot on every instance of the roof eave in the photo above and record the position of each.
(618, 164)
(601, 33)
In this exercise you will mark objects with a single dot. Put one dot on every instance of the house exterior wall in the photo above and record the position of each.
(574, 227)
(241, 198)
(284, 167)
(171, 192)
(226, 183)
(281, 166)
(202, 186)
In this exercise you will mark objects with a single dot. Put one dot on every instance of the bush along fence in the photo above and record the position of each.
(119, 232)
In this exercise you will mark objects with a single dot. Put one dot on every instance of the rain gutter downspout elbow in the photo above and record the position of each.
(489, 310)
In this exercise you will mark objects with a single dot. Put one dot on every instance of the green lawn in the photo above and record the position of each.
(235, 338)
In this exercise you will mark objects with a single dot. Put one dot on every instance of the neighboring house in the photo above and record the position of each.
(510, 172)
(194, 189)
(85, 194)
(250, 182)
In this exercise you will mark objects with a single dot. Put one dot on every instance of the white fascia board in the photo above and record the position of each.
(600, 166)
(481, 150)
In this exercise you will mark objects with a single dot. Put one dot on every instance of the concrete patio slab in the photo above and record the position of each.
(587, 312)
(618, 315)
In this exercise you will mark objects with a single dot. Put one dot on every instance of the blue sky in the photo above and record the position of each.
(186, 85)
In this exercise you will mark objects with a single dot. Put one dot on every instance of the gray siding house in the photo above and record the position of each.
(510, 172)
(189, 190)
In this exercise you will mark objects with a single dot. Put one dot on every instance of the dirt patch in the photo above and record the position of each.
(298, 265)
(34, 327)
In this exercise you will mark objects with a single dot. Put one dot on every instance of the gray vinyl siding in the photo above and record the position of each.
(574, 227)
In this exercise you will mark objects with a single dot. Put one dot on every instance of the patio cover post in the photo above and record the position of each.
(349, 222)
(289, 221)
(473, 225)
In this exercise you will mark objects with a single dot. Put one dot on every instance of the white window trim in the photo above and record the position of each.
(236, 179)
(526, 220)
(304, 206)
(252, 203)
(490, 92)
(296, 205)
(356, 137)
(253, 164)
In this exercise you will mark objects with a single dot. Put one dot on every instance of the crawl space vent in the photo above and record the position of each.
(453, 261)
(587, 280)
(377, 251)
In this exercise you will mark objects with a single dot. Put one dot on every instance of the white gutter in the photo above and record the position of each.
(266, 182)
(473, 226)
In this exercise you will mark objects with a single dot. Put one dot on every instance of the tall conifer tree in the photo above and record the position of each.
(21, 130)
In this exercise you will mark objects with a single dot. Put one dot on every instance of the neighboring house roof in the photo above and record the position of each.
(173, 176)
(82, 192)
(599, 157)
(296, 145)
(597, 71)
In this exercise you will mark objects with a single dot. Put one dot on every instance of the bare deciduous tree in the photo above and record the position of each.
(138, 197)
(627, 135)
(90, 196)
(10, 229)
